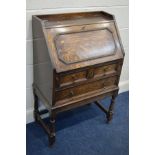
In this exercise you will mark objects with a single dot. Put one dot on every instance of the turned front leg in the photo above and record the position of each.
(51, 136)
(111, 108)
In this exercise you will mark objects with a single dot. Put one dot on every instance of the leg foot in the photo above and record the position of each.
(109, 116)
(51, 140)
(111, 108)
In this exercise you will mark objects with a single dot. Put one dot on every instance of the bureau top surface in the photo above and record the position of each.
(57, 20)
(78, 40)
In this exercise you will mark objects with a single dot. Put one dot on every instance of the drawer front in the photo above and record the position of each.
(72, 78)
(105, 70)
(85, 88)
(91, 73)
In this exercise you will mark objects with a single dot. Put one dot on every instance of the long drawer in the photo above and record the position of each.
(85, 88)
(91, 73)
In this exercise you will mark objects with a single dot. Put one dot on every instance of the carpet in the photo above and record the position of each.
(84, 131)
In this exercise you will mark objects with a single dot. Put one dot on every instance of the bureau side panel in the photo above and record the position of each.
(42, 66)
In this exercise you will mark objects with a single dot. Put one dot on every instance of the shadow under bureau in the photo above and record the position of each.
(77, 59)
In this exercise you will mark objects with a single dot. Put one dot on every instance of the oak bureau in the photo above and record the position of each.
(77, 59)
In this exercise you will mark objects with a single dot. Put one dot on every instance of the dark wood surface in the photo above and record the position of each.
(82, 46)
(85, 88)
(78, 59)
(89, 74)
(65, 19)
(112, 51)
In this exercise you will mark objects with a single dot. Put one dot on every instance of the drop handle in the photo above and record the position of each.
(103, 85)
(105, 69)
(90, 74)
(71, 93)
(73, 77)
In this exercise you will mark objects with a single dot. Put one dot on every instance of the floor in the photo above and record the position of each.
(84, 131)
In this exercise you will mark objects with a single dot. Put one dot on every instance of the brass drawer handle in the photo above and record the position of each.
(105, 69)
(71, 93)
(90, 74)
(73, 77)
(103, 85)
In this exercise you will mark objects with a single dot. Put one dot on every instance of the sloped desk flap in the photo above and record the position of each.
(82, 46)
(77, 46)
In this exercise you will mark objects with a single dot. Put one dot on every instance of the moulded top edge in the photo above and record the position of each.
(55, 19)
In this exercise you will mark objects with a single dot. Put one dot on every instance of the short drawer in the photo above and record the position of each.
(105, 70)
(69, 79)
(86, 88)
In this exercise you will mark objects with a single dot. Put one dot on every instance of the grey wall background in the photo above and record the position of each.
(119, 8)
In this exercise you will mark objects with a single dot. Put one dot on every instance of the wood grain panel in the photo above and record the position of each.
(92, 73)
(82, 46)
(61, 66)
(69, 79)
(85, 88)
(105, 70)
